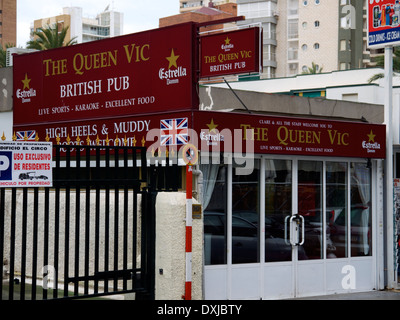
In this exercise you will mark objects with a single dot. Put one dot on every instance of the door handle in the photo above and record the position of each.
(292, 230)
(286, 231)
(302, 230)
(295, 219)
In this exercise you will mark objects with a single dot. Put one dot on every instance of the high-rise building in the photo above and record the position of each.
(209, 13)
(8, 22)
(107, 24)
(298, 34)
(191, 5)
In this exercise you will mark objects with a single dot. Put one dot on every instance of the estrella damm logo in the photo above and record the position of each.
(371, 145)
(227, 46)
(174, 71)
(26, 93)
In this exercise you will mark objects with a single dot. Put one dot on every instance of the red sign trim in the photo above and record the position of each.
(260, 134)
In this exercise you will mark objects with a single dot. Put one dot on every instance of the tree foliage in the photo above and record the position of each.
(380, 62)
(3, 54)
(50, 37)
(314, 69)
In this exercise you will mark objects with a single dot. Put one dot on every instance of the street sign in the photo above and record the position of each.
(26, 164)
(383, 23)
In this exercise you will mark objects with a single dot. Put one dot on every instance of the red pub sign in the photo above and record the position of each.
(139, 73)
(228, 53)
(227, 132)
(261, 134)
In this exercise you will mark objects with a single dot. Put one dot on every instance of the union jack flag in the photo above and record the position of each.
(174, 132)
(30, 135)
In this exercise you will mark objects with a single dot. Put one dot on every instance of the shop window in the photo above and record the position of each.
(310, 207)
(245, 217)
(337, 210)
(215, 210)
(360, 213)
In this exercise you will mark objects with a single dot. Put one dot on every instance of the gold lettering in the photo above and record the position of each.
(338, 138)
(89, 62)
(343, 136)
(136, 52)
(210, 59)
(53, 68)
(78, 70)
(258, 134)
(283, 139)
(228, 57)
(245, 127)
(286, 135)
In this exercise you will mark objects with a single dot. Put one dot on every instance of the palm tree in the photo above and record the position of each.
(314, 69)
(380, 62)
(49, 38)
(3, 54)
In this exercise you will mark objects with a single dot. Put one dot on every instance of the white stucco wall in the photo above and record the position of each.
(171, 251)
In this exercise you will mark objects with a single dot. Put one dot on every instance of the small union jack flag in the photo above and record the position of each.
(26, 135)
(174, 132)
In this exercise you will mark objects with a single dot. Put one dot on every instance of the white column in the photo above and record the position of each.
(389, 165)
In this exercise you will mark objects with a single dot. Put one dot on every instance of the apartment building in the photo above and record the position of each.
(190, 5)
(106, 24)
(8, 22)
(299, 33)
(209, 13)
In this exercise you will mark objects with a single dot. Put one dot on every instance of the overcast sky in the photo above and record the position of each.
(139, 15)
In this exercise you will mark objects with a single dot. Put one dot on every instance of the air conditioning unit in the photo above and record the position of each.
(15, 50)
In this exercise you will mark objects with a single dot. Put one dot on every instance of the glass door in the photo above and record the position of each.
(293, 229)
(278, 210)
(309, 210)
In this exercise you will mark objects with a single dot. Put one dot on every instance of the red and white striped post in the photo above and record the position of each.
(189, 191)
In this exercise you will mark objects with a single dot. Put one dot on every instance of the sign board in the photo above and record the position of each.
(208, 131)
(141, 73)
(227, 53)
(383, 23)
(26, 164)
(260, 134)
(167, 129)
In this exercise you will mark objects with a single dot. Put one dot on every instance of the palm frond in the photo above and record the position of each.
(49, 37)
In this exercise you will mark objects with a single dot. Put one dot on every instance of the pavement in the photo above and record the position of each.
(372, 295)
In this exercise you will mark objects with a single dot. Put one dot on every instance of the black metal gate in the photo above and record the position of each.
(92, 234)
